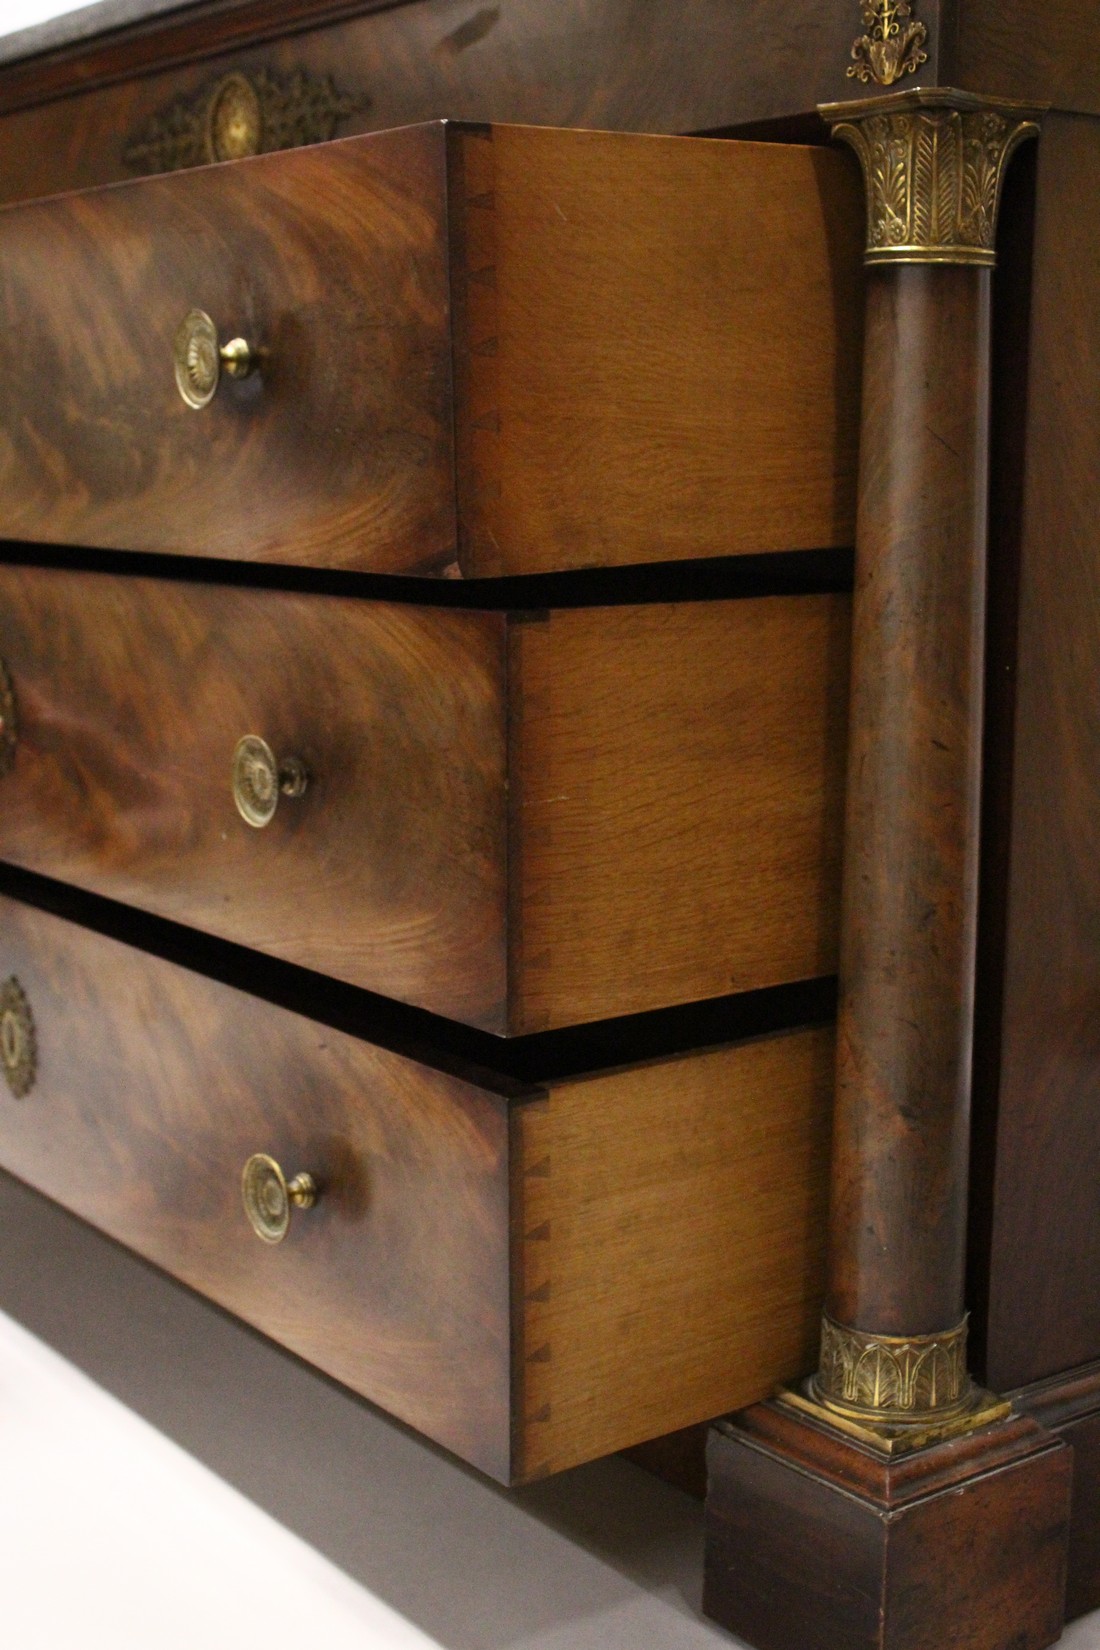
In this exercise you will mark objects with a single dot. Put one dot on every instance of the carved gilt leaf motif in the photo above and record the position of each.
(933, 179)
(892, 1375)
(926, 202)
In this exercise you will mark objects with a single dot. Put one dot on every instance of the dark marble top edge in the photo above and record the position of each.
(75, 26)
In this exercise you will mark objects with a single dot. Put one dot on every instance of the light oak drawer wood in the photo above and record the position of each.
(531, 1280)
(493, 350)
(518, 822)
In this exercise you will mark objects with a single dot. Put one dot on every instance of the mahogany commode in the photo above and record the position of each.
(512, 816)
(893, 1502)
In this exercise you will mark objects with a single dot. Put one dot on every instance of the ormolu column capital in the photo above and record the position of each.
(933, 164)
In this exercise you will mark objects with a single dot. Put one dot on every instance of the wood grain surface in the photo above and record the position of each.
(337, 451)
(659, 825)
(677, 794)
(155, 1086)
(389, 872)
(625, 1255)
(658, 348)
(1069, 1405)
(909, 907)
(1031, 50)
(1044, 1252)
(669, 1230)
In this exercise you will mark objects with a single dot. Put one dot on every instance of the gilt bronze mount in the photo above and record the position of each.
(269, 1197)
(18, 1044)
(895, 1394)
(893, 45)
(259, 779)
(239, 115)
(933, 166)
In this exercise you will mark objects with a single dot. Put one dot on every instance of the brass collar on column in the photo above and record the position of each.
(895, 1393)
(933, 164)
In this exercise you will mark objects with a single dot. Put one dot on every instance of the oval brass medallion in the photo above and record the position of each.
(18, 1048)
(235, 122)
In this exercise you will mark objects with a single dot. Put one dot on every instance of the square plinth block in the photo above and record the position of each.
(816, 1543)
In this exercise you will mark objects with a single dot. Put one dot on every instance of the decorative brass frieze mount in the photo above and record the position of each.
(893, 45)
(239, 115)
(933, 165)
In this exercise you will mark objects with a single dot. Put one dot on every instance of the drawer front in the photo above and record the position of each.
(337, 451)
(131, 697)
(153, 1086)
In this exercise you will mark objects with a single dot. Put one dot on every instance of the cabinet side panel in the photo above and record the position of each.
(1044, 1309)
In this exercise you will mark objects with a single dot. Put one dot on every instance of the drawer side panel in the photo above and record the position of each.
(670, 1229)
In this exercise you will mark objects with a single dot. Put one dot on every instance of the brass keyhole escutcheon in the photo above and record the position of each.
(269, 1197)
(18, 1044)
(259, 780)
(200, 360)
(8, 731)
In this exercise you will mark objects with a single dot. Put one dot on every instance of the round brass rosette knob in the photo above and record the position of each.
(269, 1197)
(7, 721)
(259, 780)
(200, 359)
(18, 1045)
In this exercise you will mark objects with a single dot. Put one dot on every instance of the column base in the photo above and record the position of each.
(817, 1542)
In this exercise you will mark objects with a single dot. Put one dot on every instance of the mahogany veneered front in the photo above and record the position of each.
(153, 1088)
(515, 821)
(337, 451)
(132, 695)
(491, 351)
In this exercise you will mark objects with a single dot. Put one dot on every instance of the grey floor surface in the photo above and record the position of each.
(602, 1558)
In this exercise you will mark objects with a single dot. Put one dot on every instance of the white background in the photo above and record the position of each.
(21, 14)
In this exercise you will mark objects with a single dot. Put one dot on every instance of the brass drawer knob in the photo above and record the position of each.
(18, 1045)
(259, 779)
(200, 359)
(7, 721)
(269, 1197)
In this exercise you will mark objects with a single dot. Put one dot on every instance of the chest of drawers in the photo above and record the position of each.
(587, 406)
(463, 815)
